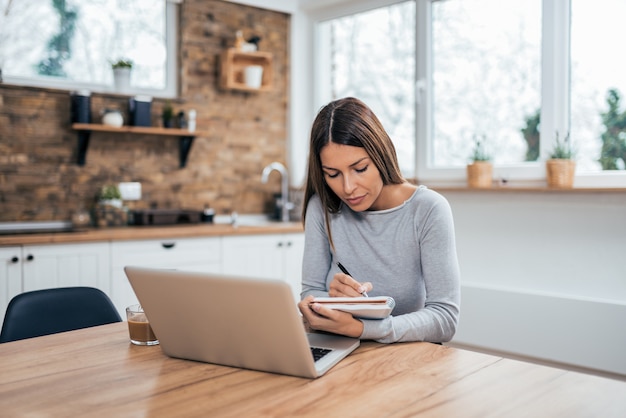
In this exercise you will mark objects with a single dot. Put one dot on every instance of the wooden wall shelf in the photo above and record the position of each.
(186, 137)
(233, 63)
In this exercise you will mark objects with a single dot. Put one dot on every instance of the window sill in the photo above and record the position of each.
(529, 189)
(67, 86)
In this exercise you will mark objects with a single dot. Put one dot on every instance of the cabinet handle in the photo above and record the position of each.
(280, 244)
(15, 259)
(288, 243)
(168, 245)
(30, 257)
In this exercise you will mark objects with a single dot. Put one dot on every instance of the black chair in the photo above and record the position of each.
(49, 311)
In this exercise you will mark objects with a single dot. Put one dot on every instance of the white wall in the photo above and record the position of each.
(544, 275)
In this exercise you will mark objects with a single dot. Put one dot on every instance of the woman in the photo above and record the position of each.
(396, 239)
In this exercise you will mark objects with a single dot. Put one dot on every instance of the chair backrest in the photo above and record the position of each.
(49, 311)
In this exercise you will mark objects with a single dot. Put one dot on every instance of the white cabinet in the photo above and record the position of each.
(272, 256)
(101, 264)
(10, 276)
(34, 267)
(190, 254)
(60, 265)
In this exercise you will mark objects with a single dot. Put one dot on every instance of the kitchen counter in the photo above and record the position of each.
(150, 232)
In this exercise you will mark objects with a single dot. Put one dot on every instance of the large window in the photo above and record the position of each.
(514, 74)
(72, 43)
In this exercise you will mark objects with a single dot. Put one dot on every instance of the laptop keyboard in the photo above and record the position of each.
(318, 353)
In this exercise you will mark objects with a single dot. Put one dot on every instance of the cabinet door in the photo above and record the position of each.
(10, 276)
(294, 251)
(256, 256)
(271, 256)
(190, 254)
(60, 265)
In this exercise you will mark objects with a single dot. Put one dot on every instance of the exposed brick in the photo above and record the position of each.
(39, 177)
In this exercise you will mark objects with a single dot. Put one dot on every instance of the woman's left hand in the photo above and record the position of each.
(321, 318)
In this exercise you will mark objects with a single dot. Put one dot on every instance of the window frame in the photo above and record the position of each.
(452, 175)
(171, 67)
(555, 82)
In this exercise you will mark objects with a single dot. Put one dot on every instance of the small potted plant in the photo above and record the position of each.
(110, 195)
(168, 115)
(121, 73)
(109, 210)
(561, 166)
(480, 169)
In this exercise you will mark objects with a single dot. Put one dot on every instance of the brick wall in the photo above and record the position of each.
(39, 177)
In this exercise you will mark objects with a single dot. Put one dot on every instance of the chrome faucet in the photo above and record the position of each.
(285, 204)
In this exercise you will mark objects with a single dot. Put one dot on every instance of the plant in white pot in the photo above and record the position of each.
(561, 166)
(110, 195)
(121, 73)
(480, 169)
(109, 210)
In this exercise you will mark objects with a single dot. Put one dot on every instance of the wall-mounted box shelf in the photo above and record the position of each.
(233, 63)
(186, 137)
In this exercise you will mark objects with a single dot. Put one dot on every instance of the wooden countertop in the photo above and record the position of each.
(97, 372)
(149, 232)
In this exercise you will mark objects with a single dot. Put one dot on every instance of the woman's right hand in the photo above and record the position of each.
(344, 285)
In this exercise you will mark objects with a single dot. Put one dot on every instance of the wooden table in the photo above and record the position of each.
(97, 372)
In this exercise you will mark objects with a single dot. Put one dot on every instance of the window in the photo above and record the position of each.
(598, 86)
(516, 73)
(371, 56)
(486, 79)
(72, 43)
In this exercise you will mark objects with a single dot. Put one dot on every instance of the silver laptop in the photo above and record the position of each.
(233, 321)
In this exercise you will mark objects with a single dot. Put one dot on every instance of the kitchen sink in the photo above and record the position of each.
(253, 220)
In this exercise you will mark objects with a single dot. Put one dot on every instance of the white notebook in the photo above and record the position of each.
(377, 307)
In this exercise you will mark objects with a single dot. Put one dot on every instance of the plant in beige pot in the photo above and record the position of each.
(480, 170)
(561, 166)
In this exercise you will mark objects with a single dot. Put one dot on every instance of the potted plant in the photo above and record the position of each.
(168, 115)
(109, 210)
(121, 73)
(110, 195)
(561, 166)
(480, 170)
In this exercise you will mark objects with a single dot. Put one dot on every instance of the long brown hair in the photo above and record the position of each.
(347, 121)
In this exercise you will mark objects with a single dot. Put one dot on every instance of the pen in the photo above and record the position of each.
(345, 271)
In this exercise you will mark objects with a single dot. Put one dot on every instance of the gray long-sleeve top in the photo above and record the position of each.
(407, 252)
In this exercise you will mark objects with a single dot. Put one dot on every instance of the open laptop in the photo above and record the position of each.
(233, 321)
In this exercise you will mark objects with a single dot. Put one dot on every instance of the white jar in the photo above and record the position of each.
(112, 118)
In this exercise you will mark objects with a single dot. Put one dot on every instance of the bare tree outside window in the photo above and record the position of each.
(486, 78)
(75, 41)
(373, 59)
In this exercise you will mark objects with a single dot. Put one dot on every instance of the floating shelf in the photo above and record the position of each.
(186, 137)
(233, 63)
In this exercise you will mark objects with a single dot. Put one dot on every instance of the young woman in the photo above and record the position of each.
(396, 239)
